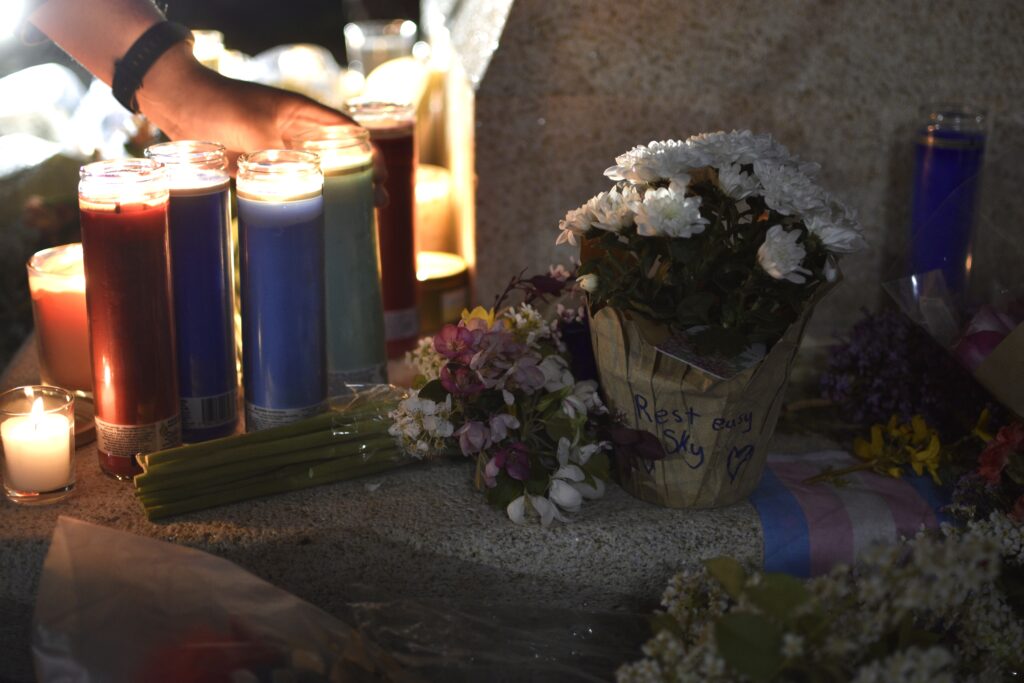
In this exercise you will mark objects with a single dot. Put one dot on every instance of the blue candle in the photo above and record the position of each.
(949, 155)
(199, 216)
(281, 235)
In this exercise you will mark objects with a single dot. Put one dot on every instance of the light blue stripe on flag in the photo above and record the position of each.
(936, 498)
(787, 545)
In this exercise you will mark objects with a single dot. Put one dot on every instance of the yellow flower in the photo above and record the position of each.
(981, 429)
(870, 450)
(487, 315)
(921, 431)
(927, 458)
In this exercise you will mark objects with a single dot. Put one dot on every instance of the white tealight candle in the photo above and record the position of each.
(37, 451)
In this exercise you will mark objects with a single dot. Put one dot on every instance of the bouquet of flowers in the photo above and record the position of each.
(724, 236)
(934, 608)
(497, 387)
(701, 264)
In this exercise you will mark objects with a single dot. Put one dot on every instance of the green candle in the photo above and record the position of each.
(355, 318)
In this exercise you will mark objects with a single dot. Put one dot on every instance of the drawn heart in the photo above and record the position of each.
(738, 457)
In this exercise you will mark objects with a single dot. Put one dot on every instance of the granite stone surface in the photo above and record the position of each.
(418, 533)
(568, 85)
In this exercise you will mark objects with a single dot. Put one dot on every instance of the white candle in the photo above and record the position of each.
(37, 451)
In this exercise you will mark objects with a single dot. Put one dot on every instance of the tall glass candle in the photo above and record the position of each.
(123, 208)
(281, 237)
(201, 271)
(949, 153)
(355, 318)
(392, 129)
(56, 279)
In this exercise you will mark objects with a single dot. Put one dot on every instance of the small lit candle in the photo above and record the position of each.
(435, 227)
(56, 280)
(443, 289)
(38, 443)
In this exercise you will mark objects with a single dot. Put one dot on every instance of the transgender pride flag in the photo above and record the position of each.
(808, 528)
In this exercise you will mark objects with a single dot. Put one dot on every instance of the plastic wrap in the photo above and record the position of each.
(349, 440)
(927, 300)
(190, 616)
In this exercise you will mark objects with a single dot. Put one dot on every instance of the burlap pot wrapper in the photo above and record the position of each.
(714, 432)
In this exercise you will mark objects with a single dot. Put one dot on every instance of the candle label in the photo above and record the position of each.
(125, 441)
(258, 418)
(373, 374)
(401, 324)
(200, 412)
(452, 304)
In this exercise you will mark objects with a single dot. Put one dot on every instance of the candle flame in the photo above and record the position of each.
(37, 412)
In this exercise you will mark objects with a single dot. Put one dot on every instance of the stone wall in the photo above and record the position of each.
(567, 85)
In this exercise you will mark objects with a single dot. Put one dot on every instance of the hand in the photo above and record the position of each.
(188, 101)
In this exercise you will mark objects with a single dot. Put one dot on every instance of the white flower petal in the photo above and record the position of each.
(565, 496)
(590, 492)
(570, 473)
(517, 510)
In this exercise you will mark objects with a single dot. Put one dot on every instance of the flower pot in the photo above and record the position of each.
(714, 433)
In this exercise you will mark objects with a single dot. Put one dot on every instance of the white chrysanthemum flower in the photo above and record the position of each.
(839, 237)
(781, 256)
(611, 210)
(666, 211)
(656, 161)
(738, 147)
(789, 190)
(737, 184)
(576, 223)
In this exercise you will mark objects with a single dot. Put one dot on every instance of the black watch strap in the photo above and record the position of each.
(130, 69)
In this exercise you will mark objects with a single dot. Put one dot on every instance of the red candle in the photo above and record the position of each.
(57, 284)
(128, 294)
(392, 129)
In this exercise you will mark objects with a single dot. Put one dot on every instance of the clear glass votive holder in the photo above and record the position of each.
(56, 281)
(368, 44)
(37, 428)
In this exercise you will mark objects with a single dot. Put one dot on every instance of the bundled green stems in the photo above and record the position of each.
(345, 443)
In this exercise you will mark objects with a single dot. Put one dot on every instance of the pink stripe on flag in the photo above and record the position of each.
(829, 527)
(909, 510)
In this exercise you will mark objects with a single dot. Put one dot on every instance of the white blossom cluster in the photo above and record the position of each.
(422, 426)
(742, 165)
(425, 359)
(944, 583)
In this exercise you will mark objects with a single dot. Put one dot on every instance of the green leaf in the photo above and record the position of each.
(778, 595)
(598, 466)
(729, 573)
(911, 636)
(507, 490)
(560, 427)
(750, 644)
(720, 341)
(693, 309)
(434, 391)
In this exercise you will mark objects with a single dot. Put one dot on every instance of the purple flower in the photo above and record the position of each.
(473, 437)
(514, 459)
(500, 424)
(527, 374)
(456, 343)
(460, 381)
